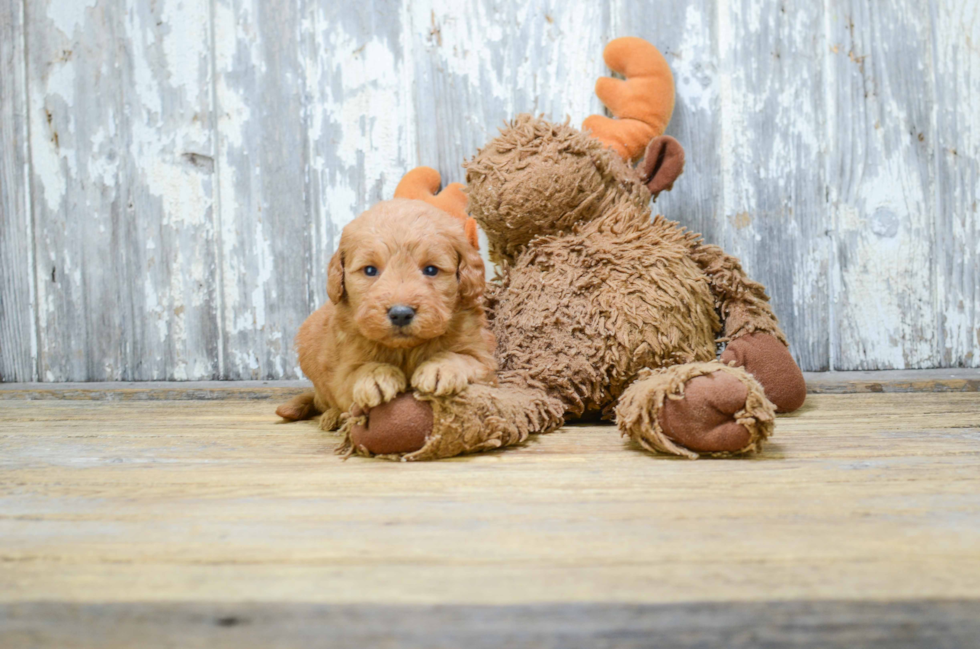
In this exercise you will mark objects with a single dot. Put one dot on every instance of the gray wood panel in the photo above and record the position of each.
(814, 624)
(773, 213)
(18, 336)
(189, 164)
(882, 189)
(261, 51)
(956, 35)
(363, 133)
(686, 33)
(121, 149)
(479, 64)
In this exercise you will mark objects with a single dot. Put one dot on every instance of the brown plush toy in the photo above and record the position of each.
(599, 310)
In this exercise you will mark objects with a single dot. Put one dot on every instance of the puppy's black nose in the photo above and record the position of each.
(401, 315)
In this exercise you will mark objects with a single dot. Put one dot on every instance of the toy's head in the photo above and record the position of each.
(539, 178)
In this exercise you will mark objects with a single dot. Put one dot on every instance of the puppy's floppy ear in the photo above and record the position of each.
(335, 278)
(469, 273)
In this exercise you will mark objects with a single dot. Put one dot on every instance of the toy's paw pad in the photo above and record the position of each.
(398, 426)
(380, 386)
(439, 378)
(704, 419)
(769, 361)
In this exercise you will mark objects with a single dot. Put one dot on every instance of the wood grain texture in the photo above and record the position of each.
(363, 129)
(956, 35)
(686, 33)
(882, 162)
(18, 333)
(925, 624)
(870, 497)
(480, 64)
(772, 120)
(263, 153)
(120, 144)
(191, 163)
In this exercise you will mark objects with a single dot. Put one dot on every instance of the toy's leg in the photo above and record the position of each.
(696, 408)
(480, 418)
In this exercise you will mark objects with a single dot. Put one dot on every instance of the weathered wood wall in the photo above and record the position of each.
(175, 173)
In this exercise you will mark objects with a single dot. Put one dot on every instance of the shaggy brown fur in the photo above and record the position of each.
(355, 353)
(582, 310)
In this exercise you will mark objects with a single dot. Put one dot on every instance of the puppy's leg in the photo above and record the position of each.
(299, 407)
(330, 419)
(448, 373)
(376, 383)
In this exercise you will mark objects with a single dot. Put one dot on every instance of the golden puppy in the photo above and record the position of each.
(405, 290)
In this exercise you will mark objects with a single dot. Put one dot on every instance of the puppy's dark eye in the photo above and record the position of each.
(370, 271)
(430, 271)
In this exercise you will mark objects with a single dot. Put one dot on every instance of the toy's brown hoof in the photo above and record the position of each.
(769, 361)
(704, 420)
(399, 426)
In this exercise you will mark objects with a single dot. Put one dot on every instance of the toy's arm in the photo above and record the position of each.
(742, 303)
(755, 340)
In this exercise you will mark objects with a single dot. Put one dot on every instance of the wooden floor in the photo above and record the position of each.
(121, 520)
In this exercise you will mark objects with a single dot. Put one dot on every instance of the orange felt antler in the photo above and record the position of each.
(642, 103)
(422, 183)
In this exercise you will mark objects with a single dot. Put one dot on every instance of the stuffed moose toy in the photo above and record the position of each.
(600, 311)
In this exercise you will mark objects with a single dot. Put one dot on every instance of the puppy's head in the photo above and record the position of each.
(402, 271)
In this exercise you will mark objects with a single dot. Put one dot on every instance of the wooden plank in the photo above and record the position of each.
(772, 141)
(217, 502)
(881, 184)
(952, 380)
(478, 65)
(955, 34)
(686, 33)
(156, 390)
(362, 119)
(921, 624)
(169, 182)
(947, 380)
(120, 143)
(18, 333)
(266, 243)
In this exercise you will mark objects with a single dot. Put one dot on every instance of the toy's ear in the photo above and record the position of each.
(335, 278)
(662, 164)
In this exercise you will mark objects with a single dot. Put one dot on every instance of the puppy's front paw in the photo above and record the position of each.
(381, 385)
(439, 379)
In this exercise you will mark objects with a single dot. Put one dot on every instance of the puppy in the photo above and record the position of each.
(405, 289)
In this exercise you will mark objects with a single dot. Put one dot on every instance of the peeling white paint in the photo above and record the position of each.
(693, 79)
(51, 157)
(67, 15)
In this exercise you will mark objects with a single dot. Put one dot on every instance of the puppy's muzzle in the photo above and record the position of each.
(401, 315)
